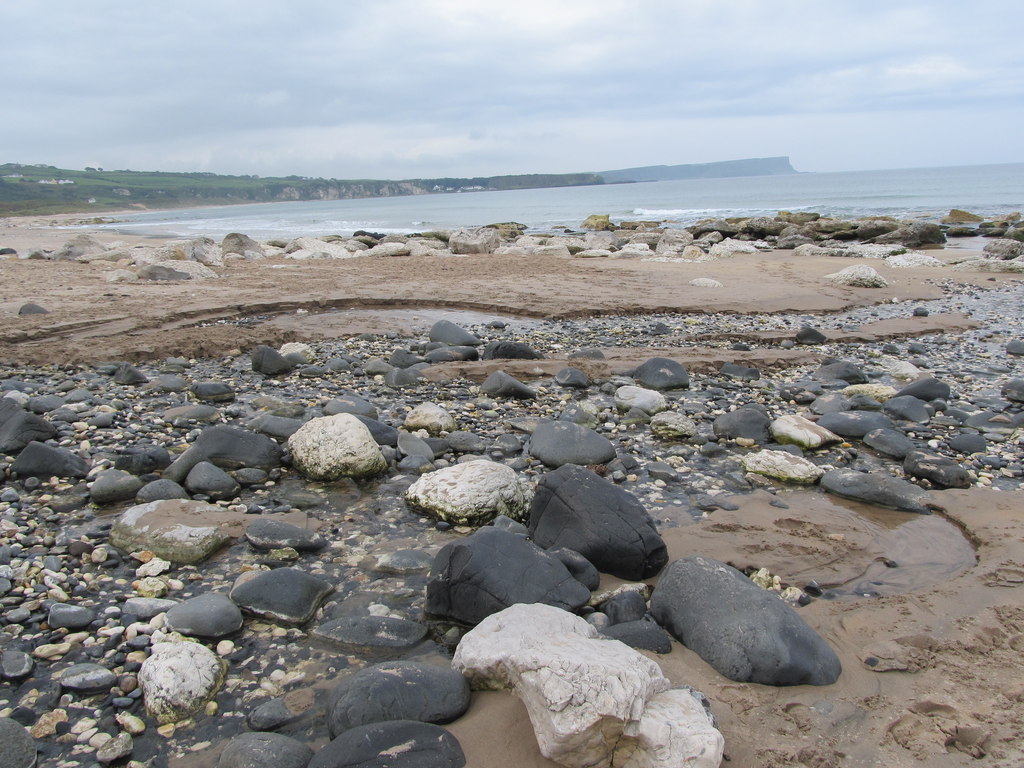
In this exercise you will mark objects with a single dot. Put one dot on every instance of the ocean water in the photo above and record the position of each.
(925, 193)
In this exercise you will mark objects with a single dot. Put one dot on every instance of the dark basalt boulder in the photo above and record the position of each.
(563, 442)
(926, 389)
(41, 460)
(510, 350)
(939, 470)
(269, 361)
(492, 569)
(397, 690)
(854, 424)
(575, 508)
(748, 634)
(877, 488)
(447, 332)
(392, 744)
(229, 448)
(748, 421)
(840, 370)
(662, 373)
(19, 427)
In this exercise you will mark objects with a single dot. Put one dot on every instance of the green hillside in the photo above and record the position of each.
(41, 189)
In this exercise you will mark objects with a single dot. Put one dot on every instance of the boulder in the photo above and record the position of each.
(430, 417)
(447, 332)
(229, 448)
(1003, 249)
(473, 493)
(266, 533)
(392, 744)
(114, 485)
(41, 460)
(591, 701)
(501, 384)
(662, 373)
(927, 389)
(331, 447)
(178, 679)
(177, 530)
(563, 442)
(597, 222)
(780, 465)
(854, 424)
(858, 276)
(264, 750)
(576, 509)
(906, 408)
(237, 244)
(287, 595)
(941, 471)
(19, 746)
(1013, 390)
(749, 422)
(670, 425)
(490, 570)
(350, 403)
(649, 401)
(19, 427)
(748, 634)
(877, 488)
(914, 234)
(269, 361)
(510, 350)
(889, 442)
(474, 240)
(87, 678)
(370, 634)
(809, 335)
(840, 370)
(796, 430)
(397, 690)
(209, 480)
(210, 615)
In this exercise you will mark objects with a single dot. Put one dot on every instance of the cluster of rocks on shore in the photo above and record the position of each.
(711, 239)
(284, 518)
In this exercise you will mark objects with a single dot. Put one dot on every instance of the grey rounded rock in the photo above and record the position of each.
(877, 488)
(662, 373)
(210, 480)
(392, 744)
(87, 678)
(68, 616)
(159, 490)
(371, 633)
(19, 748)
(114, 485)
(264, 750)
(285, 594)
(562, 442)
(211, 615)
(501, 384)
(397, 690)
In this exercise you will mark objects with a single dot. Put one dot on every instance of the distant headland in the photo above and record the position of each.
(46, 189)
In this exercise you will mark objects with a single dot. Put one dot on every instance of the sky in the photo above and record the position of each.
(425, 88)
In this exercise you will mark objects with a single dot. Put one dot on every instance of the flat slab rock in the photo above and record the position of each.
(393, 744)
(287, 595)
(177, 530)
(371, 633)
(397, 690)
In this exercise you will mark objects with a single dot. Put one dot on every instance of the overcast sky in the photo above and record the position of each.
(421, 88)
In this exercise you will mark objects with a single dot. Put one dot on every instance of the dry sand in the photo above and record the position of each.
(932, 675)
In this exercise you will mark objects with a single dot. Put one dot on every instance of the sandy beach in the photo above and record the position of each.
(932, 670)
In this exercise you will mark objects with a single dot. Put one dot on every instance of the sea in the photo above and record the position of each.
(916, 193)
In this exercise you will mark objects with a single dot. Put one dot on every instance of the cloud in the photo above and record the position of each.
(401, 88)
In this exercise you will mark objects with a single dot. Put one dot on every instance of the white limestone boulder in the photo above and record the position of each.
(780, 465)
(796, 430)
(858, 276)
(178, 679)
(431, 417)
(201, 249)
(473, 493)
(730, 247)
(474, 240)
(331, 447)
(647, 400)
(592, 701)
(304, 248)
